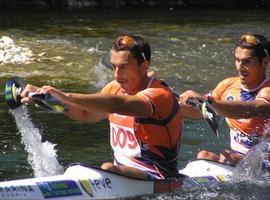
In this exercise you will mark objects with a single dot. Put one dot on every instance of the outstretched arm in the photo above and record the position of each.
(72, 112)
(105, 103)
(83, 115)
(242, 110)
(92, 107)
(260, 107)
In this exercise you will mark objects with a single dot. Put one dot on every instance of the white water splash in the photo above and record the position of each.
(103, 74)
(250, 168)
(41, 155)
(11, 53)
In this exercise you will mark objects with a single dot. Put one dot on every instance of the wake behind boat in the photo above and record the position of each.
(85, 182)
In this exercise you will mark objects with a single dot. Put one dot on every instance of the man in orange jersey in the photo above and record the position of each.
(244, 100)
(145, 134)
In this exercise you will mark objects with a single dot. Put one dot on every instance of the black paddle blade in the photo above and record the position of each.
(48, 102)
(210, 116)
(208, 112)
(13, 89)
(106, 60)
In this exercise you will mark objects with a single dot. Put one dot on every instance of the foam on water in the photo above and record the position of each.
(250, 168)
(41, 155)
(103, 74)
(11, 53)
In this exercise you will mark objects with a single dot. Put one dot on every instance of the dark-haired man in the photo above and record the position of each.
(244, 100)
(145, 135)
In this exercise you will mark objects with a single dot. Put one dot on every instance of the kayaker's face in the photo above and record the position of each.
(127, 72)
(250, 70)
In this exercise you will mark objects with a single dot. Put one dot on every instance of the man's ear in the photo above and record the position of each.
(266, 61)
(145, 65)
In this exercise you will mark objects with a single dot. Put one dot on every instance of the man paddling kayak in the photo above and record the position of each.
(243, 100)
(145, 117)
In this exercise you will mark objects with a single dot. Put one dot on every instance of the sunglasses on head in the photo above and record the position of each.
(130, 43)
(252, 40)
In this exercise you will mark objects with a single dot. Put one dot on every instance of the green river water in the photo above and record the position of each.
(190, 50)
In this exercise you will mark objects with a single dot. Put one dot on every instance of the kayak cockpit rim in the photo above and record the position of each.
(179, 177)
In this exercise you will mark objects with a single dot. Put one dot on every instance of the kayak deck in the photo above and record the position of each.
(85, 182)
(81, 181)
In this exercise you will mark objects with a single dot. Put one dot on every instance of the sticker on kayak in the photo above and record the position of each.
(64, 188)
(86, 186)
(16, 191)
(204, 180)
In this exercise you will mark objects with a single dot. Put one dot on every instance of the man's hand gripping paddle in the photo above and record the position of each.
(15, 86)
(208, 112)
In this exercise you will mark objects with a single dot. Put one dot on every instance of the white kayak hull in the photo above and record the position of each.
(205, 171)
(81, 182)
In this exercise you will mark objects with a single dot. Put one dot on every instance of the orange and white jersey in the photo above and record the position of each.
(244, 133)
(149, 144)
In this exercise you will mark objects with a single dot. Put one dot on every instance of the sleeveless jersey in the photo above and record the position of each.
(244, 133)
(149, 144)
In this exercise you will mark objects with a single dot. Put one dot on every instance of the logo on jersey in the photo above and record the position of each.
(230, 97)
(246, 140)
